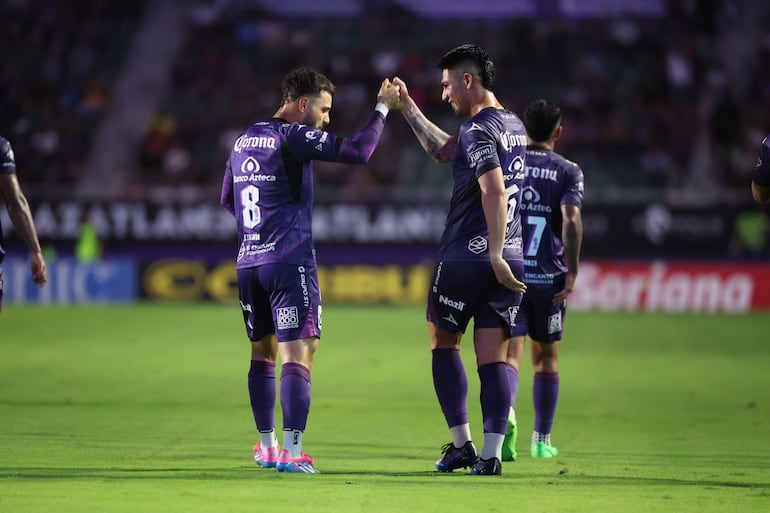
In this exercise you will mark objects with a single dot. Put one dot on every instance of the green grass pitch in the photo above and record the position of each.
(144, 409)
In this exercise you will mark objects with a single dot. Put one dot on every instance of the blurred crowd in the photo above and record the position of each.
(637, 93)
(58, 61)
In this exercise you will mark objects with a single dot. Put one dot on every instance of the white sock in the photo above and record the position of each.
(460, 434)
(493, 446)
(541, 437)
(292, 441)
(268, 438)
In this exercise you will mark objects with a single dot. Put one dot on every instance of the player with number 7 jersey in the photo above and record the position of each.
(553, 232)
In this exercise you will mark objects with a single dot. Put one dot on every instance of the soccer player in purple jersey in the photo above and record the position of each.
(268, 187)
(760, 182)
(479, 255)
(18, 210)
(553, 232)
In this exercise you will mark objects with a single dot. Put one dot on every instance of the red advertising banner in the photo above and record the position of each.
(663, 286)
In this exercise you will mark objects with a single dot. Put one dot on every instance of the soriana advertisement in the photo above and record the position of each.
(658, 286)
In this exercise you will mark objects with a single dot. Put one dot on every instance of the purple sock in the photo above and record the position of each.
(545, 393)
(451, 385)
(495, 396)
(262, 394)
(295, 395)
(513, 379)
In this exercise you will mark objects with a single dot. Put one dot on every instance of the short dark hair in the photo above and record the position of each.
(540, 119)
(305, 81)
(473, 56)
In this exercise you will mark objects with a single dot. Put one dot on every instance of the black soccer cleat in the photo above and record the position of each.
(490, 467)
(454, 458)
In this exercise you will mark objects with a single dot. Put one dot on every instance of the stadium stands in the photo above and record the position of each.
(650, 108)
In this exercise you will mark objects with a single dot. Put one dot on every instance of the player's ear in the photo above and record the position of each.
(302, 103)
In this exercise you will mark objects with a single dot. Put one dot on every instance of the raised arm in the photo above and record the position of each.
(439, 144)
(572, 237)
(360, 147)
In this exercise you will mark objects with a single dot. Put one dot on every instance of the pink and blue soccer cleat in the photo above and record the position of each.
(301, 465)
(267, 458)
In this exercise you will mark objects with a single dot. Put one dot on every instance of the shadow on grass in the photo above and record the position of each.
(249, 473)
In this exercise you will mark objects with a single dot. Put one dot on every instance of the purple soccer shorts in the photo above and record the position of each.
(280, 298)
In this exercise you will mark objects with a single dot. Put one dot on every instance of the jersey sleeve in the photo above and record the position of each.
(308, 143)
(7, 160)
(480, 148)
(762, 170)
(573, 186)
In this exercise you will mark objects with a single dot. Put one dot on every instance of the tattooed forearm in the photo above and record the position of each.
(439, 145)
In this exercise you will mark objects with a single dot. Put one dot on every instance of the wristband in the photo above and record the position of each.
(382, 109)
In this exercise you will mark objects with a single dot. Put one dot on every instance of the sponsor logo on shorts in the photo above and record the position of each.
(451, 319)
(477, 245)
(287, 318)
(513, 311)
(303, 284)
(457, 305)
(554, 323)
(245, 307)
(438, 277)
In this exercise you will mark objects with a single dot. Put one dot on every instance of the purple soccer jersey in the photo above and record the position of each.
(762, 170)
(551, 181)
(492, 138)
(268, 186)
(7, 166)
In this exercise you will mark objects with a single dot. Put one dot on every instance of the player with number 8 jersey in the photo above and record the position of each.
(268, 187)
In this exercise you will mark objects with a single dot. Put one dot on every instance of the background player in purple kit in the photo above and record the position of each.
(18, 210)
(480, 251)
(760, 183)
(268, 187)
(553, 233)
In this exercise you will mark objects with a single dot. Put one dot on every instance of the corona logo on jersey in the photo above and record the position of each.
(245, 142)
(510, 141)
